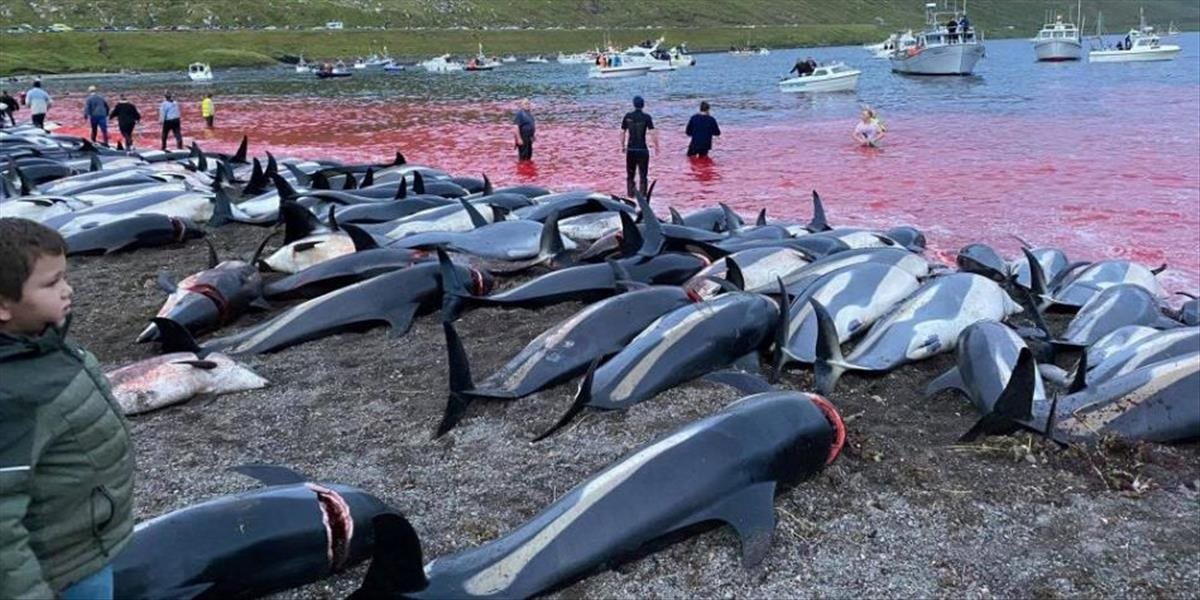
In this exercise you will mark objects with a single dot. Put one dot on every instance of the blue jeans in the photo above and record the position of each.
(100, 123)
(96, 587)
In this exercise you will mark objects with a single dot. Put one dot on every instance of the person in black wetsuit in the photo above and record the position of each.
(127, 117)
(525, 128)
(634, 128)
(702, 127)
(804, 67)
(8, 106)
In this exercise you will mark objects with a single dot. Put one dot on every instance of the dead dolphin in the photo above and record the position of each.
(927, 323)
(855, 297)
(683, 344)
(561, 352)
(307, 241)
(914, 264)
(1114, 307)
(1052, 260)
(1089, 281)
(1160, 346)
(137, 231)
(213, 297)
(983, 260)
(986, 357)
(394, 298)
(293, 531)
(759, 268)
(367, 261)
(727, 468)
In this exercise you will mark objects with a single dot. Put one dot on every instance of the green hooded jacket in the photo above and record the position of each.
(66, 466)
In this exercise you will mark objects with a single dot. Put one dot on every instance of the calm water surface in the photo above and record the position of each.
(1100, 159)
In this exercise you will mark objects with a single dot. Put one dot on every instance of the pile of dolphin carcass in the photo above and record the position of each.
(702, 295)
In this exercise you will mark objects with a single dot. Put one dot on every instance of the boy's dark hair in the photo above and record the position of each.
(703, 106)
(21, 243)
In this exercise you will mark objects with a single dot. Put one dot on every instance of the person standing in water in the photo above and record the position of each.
(127, 117)
(525, 129)
(95, 112)
(702, 128)
(868, 131)
(169, 115)
(207, 111)
(634, 128)
(39, 104)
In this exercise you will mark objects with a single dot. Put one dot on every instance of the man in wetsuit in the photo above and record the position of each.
(702, 127)
(525, 130)
(634, 128)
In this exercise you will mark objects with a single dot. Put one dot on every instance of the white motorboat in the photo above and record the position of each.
(303, 67)
(392, 66)
(613, 66)
(897, 41)
(833, 77)
(937, 51)
(763, 52)
(1139, 45)
(650, 55)
(441, 64)
(361, 63)
(536, 60)
(199, 72)
(509, 59)
(680, 57)
(482, 62)
(1058, 41)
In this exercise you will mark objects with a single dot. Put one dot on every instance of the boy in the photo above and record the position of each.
(66, 463)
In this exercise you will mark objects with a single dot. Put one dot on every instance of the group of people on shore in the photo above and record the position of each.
(97, 112)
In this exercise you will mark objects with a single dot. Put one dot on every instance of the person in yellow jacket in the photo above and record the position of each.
(207, 111)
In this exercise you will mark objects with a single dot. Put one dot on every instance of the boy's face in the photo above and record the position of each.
(45, 298)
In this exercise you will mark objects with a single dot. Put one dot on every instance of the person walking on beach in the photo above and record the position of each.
(127, 117)
(525, 129)
(207, 111)
(869, 131)
(634, 128)
(168, 113)
(39, 104)
(66, 459)
(702, 127)
(8, 108)
(95, 112)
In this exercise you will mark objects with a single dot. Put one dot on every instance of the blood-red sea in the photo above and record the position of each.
(1101, 160)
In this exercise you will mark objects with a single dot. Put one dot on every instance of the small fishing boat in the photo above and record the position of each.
(1058, 41)
(1139, 45)
(613, 66)
(536, 60)
(680, 57)
(328, 71)
(833, 77)
(392, 66)
(199, 72)
(303, 67)
(361, 63)
(938, 51)
(475, 65)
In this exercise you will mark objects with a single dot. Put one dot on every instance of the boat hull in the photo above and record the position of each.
(1057, 49)
(952, 59)
(840, 83)
(618, 72)
(1167, 52)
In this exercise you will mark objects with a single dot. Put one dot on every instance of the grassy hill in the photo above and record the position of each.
(414, 28)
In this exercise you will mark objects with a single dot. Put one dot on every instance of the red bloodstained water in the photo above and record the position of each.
(1096, 187)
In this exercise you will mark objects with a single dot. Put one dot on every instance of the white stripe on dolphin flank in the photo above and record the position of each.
(287, 318)
(625, 388)
(1160, 377)
(501, 574)
(535, 358)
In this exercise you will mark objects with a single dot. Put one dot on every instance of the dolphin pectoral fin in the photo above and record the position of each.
(950, 380)
(397, 566)
(582, 397)
(749, 362)
(746, 383)
(751, 512)
(207, 365)
(270, 474)
(1014, 407)
(165, 283)
(400, 318)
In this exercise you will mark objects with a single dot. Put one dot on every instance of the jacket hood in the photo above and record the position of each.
(23, 346)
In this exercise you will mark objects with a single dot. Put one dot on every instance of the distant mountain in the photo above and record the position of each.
(994, 16)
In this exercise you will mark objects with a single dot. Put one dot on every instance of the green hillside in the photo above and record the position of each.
(228, 33)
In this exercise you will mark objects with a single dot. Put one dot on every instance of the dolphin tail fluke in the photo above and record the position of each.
(240, 156)
(676, 218)
(397, 566)
(781, 331)
(175, 337)
(818, 222)
(652, 237)
(1014, 405)
(830, 365)
(1037, 279)
(460, 381)
(551, 245)
(454, 293)
(950, 380)
(631, 236)
(582, 398)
